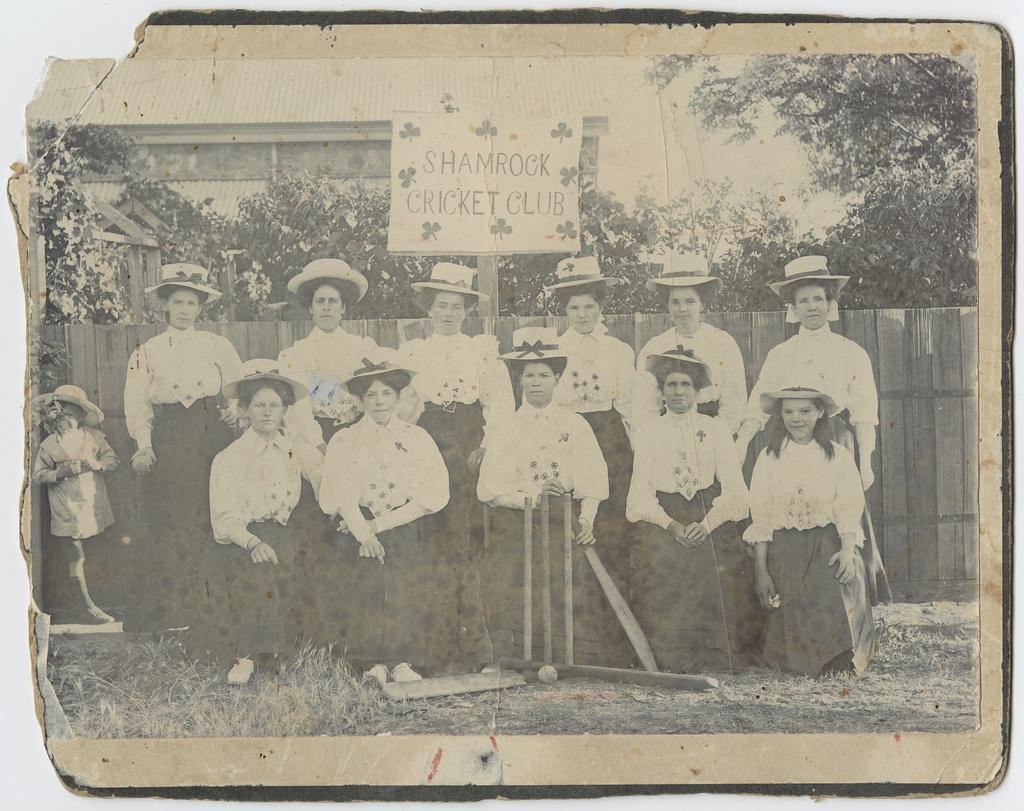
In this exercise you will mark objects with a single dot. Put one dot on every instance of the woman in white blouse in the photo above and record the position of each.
(321, 360)
(382, 476)
(806, 499)
(263, 508)
(544, 449)
(692, 583)
(176, 413)
(463, 390)
(833, 364)
(598, 385)
(687, 287)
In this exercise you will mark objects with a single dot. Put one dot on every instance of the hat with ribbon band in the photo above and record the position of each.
(579, 271)
(448, 277)
(683, 270)
(191, 277)
(370, 369)
(73, 395)
(262, 369)
(682, 355)
(327, 270)
(534, 343)
(769, 398)
(808, 269)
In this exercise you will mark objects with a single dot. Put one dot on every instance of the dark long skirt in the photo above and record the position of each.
(386, 613)
(598, 638)
(613, 532)
(461, 634)
(174, 511)
(696, 605)
(819, 620)
(877, 580)
(249, 609)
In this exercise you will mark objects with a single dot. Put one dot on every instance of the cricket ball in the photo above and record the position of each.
(547, 675)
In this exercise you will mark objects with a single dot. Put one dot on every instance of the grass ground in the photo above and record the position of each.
(922, 679)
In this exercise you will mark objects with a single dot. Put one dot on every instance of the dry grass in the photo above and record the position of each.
(923, 678)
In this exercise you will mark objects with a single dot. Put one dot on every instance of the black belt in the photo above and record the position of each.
(449, 408)
(213, 401)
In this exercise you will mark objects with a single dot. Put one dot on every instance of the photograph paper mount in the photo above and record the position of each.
(423, 764)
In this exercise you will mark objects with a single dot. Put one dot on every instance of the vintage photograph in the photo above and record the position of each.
(505, 395)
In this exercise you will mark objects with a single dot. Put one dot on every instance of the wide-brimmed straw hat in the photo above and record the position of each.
(189, 276)
(682, 355)
(683, 270)
(579, 271)
(449, 277)
(534, 343)
(74, 395)
(326, 270)
(769, 398)
(371, 369)
(262, 369)
(808, 269)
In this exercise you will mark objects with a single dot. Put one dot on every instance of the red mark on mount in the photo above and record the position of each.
(434, 764)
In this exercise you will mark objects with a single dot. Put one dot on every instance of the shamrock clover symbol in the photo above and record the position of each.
(501, 228)
(430, 229)
(407, 176)
(400, 447)
(486, 129)
(564, 437)
(564, 131)
(569, 175)
(568, 230)
(700, 436)
(409, 131)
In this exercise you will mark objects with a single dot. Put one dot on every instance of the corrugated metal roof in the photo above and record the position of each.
(225, 194)
(243, 91)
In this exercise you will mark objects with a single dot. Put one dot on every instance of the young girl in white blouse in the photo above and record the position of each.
(806, 501)
(176, 412)
(263, 510)
(693, 587)
(598, 385)
(382, 476)
(544, 449)
(463, 390)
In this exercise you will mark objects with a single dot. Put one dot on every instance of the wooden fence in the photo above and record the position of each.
(925, 498)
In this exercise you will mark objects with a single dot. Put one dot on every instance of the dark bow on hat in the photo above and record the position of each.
(195, 278)
(682, 353)
(369, 366)
(264, 372)
(537, 348)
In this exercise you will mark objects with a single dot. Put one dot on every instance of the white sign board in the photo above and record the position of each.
(467, 185)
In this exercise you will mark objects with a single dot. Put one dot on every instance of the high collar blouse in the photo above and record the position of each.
(258, 480)
(598, 375)
(802, 488)
(684, 454)
(176, 366)
(461, 369)
(728, 382)
(820, 358)
(537, 445)
(395, 471)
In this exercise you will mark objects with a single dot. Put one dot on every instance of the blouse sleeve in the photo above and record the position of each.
(496, 395)
(301, 425)
(498, 483)
(44, 471)
(734, 389)
(340, 488)
(105, 453)
(138, 411)
(848, 494)
(311, 463)
(733, 503)
(227, 484)
(589, 470)
(228, 361)
(624, 377)
(766, 381)
(646, 399)
(642, 501)
(861, 394)
(762, 527)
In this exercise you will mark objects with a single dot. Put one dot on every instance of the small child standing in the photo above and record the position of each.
(70, 461)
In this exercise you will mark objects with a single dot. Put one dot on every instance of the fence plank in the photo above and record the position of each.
(921, 447)
(739, 327)
(767, 330)
(891, 369)
(82, 347)
(646, 326)
(111, 366)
